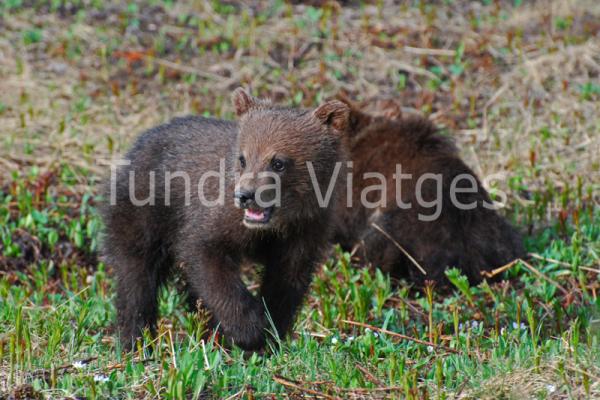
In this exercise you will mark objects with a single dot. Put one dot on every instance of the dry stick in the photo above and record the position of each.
(111, 367)
(400, 336)
(369, 375)
(223, 81)
(590, 269)
(429, 52)
(236, 395)
(184, 68)
(488, 104)
(43, 372)
(9, 164)
(156, 339)
(355, 248)
(575, 369)
(285, 382)
(541, 275)
(387, 235)
(407, 303)
(585, 268)
(494, 272)
(172, 349)
(534, 255)
(375, 389)
(412, 69)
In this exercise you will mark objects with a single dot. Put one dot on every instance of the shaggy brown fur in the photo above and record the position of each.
(145, 243)
(472, 240)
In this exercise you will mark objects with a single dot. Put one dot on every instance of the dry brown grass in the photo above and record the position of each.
(510, 95)
(543, 382)
(522, 75)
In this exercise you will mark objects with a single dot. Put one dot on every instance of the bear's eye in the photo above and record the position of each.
(242, 162)
(277, 165)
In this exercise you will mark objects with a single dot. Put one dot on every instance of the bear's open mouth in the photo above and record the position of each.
(257, 216)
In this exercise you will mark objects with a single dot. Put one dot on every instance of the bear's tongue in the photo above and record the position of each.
(255, 215)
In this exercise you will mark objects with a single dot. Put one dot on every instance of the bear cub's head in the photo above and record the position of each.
(284, 155)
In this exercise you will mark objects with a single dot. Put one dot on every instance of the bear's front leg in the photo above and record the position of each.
(215, 279)
(286, 280)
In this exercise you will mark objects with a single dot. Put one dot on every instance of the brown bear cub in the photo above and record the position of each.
(219, 194)
(434, 207)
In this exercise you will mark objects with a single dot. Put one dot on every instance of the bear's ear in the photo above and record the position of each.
(357, 119)
(333, 113)
(243, 101)
(390, 108)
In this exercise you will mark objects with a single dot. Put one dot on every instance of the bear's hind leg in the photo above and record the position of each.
(138, 281)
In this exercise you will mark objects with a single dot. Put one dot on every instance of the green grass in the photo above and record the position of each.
(56, 325)
(81, 78)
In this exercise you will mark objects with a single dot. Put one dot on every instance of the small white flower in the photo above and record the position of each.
(502, 330)
(78, 365)
(551, 388)
(367, 330)
(521, 326)
(375, 334)
(460, 326)
(101, 378)
(349, 339)
(430, 349)
(474, 324)
(334, 340)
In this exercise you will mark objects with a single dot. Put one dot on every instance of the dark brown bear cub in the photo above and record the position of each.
(435, 208)
(216, 194)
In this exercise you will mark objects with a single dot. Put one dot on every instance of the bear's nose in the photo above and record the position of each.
(244, 198)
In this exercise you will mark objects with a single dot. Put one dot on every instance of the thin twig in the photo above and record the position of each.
(590, 269)
(499, 270)
(575, 369)
(534, 255)
(172, 349)
(111, 367)
(429, 52)
(236, 395)
(375, 389)
(400, 336)
(184, 68)
(413, 69)
(409, 305)
(44, 372)
(545, 277)
(387, 235)
(369, 375)
(286, 382)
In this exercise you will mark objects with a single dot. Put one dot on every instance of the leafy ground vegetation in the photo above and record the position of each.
(516, 83)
